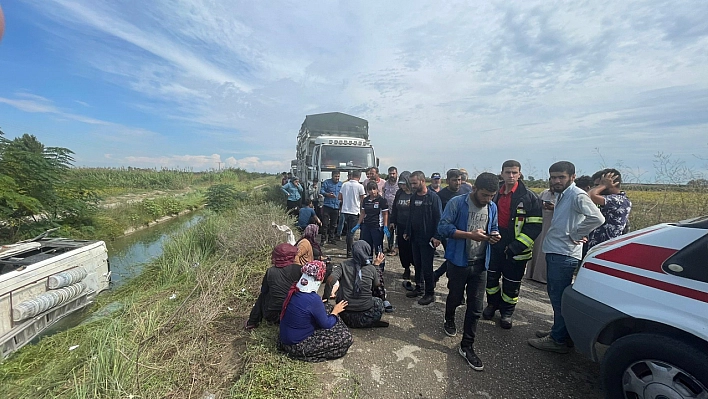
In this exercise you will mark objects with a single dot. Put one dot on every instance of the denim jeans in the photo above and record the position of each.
(340, 224)
(560, 269)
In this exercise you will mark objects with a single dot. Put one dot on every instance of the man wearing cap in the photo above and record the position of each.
(434, 182)
(520, 222)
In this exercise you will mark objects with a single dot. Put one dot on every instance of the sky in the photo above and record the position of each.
(213, 84)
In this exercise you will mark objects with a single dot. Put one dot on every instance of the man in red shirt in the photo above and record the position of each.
(520, 219)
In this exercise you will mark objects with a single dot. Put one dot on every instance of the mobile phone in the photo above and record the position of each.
(547, 202)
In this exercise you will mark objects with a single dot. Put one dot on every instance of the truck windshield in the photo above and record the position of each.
(339, 156)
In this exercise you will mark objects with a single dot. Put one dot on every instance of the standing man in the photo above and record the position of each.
(351, 195)
(330, 208)
(372, 174)
(389, 193)
(613, 203)
(574, 217)
(470, 224)
(520, 222)
(465, 177)
(294, 191)
(453, 189)
(422, 231)
(435, 183)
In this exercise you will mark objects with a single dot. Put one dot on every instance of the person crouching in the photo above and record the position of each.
(357, 278)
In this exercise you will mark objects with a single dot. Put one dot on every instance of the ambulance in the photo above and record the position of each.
(639, 305)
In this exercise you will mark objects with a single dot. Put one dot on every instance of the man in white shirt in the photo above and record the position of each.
(351, 195)
(574, 217)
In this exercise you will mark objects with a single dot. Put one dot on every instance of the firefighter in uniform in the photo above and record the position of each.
(520, 222)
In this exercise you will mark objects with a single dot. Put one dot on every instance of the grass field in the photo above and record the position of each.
(652, 207)
(178, 331)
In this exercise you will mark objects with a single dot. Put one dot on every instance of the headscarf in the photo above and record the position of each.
(405, 178)
(310, 233)
(283, 255)
(361, 256)
(312, 275)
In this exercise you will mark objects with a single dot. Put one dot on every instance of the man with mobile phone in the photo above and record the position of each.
(520, 222)
(421, 230)
(469, 223)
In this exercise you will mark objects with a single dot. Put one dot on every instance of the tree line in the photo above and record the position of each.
(34, 188)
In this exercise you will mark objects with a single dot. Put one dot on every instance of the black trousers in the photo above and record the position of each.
(293, 207)
(504, 296)
(472, 279)
(350, 220)
(259, 312)
(330, 217)
(423, 255)
(443, 268)
(405, 251)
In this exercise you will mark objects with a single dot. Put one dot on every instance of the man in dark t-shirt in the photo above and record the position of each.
(453, 189)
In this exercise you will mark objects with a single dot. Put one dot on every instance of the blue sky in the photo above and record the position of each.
(187, 83)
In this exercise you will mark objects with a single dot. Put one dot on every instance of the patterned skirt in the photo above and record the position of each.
(323, 344)
(365, 318)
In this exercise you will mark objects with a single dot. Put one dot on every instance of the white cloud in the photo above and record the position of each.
(442, 84)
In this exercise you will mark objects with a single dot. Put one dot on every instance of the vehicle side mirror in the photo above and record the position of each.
(377, 162)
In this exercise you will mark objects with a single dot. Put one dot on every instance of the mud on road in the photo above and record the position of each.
(413, 358)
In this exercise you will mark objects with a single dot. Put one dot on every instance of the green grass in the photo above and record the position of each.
(155, 347)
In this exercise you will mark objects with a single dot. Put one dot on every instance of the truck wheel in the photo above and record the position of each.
(654, 366)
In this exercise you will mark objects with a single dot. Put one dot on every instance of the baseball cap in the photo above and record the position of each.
(435, 175)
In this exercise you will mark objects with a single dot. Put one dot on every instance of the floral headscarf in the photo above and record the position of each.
(312, 275)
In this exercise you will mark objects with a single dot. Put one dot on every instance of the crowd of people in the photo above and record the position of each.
(494, 232)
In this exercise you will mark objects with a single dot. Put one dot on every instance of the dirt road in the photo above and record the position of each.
(413, 358)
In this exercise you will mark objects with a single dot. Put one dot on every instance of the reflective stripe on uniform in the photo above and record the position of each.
(493, 290)
(526, 240)
(534, 219)
(509, 299)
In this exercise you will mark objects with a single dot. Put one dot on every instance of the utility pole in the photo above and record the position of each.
(219, 165)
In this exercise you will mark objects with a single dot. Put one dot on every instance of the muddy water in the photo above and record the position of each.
(128, 255)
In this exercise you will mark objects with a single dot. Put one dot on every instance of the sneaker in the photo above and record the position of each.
(544, 333)
(488, 312)
(472, 359)
(415, 293)
(548, 344)
(407, 285)
(427, 299)
(505, 322)
(388, 308)
(450, 328)
(331, 242)
(406, 275)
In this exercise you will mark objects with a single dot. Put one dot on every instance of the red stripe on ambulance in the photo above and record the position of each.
(649, 282)
(641, 256)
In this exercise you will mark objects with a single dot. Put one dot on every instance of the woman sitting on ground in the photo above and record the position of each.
(307, 332)
(307, 247)
(276, 282)
(357, 278)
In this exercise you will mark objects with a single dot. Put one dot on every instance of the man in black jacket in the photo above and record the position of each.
(520, 221)
(422, 231)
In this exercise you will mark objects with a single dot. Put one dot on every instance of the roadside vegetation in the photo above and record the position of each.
(178, 333)
(40, 189)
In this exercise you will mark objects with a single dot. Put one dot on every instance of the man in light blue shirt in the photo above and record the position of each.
(330, 209)
(574, 217)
